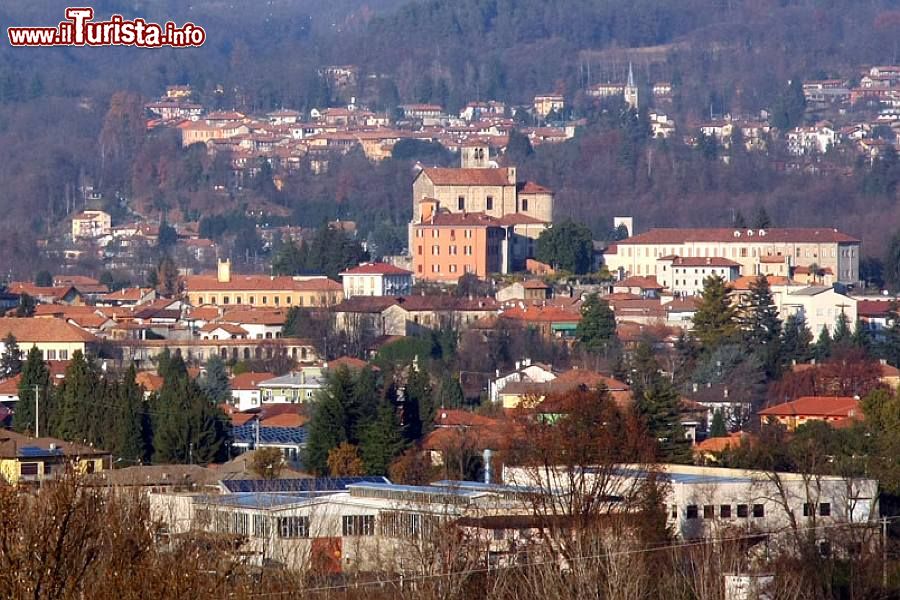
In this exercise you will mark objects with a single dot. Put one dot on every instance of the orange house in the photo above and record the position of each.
(813, 408)
(448, 245)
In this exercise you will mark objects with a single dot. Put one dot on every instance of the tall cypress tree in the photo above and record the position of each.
(326, 429)
(74, 412)
(418, 404)
(365, 401)
(842, 334)
(130, 434)
(381, 441)
(451, 393)
(35, 374)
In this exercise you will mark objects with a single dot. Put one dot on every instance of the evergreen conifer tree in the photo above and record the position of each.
(842, 334)
(597, 329)
(718, 428)
(130, 433)
(215, 382)
(77, 399)
(762, 326)
(11, 359)
(715, 321)
(381, 441)
(822, 349)
(795, 340)
(326, 429)
(418, 405)
(35, 374)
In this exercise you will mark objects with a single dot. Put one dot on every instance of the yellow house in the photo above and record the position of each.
(224, 289)
(55, 338)
(25, 459)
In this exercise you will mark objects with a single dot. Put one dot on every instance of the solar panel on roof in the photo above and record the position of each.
(269, 435)
(34, 451)
(307, 486)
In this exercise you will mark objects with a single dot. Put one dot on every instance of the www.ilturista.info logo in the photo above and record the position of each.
(80, 30)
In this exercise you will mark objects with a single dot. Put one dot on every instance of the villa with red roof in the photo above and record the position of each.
(813, 408)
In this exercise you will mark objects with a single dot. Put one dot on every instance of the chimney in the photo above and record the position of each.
(725, 393)
(224, 272)
(511, 175)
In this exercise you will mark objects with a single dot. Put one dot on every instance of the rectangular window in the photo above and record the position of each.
(691, 512)
(742, 511)
(240, 523)
(435, 250)
(419, 251)
(807, 509)
(265, 299)
(225, 300)
(674, 511)
(825, 509)
(63, 355)
(293, 527)
(357, 525)
(260, 526)
(28, 468)
(709, 511)
(759, 511)
(51, 354)
(252, 300)
(453, 268)
(434, 233)
(489, 203)
(524, 205)
(461, 203)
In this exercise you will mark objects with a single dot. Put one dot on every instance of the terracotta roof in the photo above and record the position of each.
(349, 362)
(644, 283)
(438, 303)
(519, 219)
(204, 313)
(462, 418)
(727, 234)
(530, 187)
(20, 287)
(62, 310)
(547, 314)
(10, 385)
(743, 283)
(128, 294)
(43, 330)
(284, 420)
(255, 316)
(720, 444)
(149, 381)
(814, 406)
(873, 308)
(535, 284)
(197, 283)
(226, 327)
(249, 381)
(88, 321)
(699, 261)
(154, 475)
(447, 219)
(366, 304)
(442, 176)
(376, 269)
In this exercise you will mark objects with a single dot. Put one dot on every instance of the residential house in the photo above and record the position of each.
(128, 297)
(245, 392)
(522, 393)
(525, 371)
(552, 322)
(91, 224)
(376, 279)
(55, 338)
(530, 290)
(684, 276)
(297, 387)
(544, 104)
(26, 460)
(813, 408)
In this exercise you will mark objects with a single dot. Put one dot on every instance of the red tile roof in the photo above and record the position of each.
(376, 269)
(872, 308)
(440, 176)
(645, 283)
(720, 444)
(530, 187)
(743, 283)
(519, 219)
(814, 406)
(248, 283)
(249, 381)
(727, 234)
(546, 314)
(43, 330)
(447, 219)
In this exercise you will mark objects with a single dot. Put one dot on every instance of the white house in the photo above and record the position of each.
(525, 371)
(245, 392)
(294, 388)
(811, 140)
(820, 306)
(376, 279)
(683, 276)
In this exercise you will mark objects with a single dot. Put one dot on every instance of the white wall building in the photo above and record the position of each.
(376, 279)
(684, 276)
